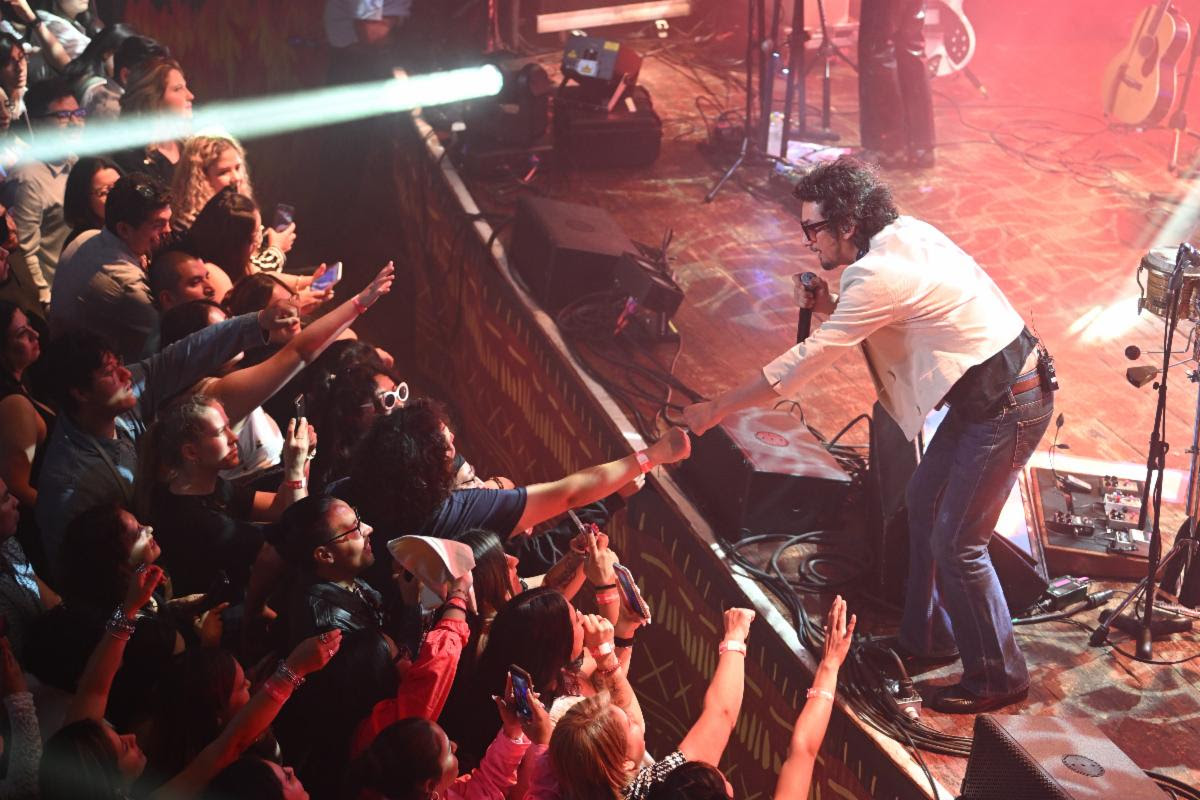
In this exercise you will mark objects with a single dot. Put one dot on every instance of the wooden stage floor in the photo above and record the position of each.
(1055, 205)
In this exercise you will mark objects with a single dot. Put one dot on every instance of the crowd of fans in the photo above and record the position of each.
(198, 601)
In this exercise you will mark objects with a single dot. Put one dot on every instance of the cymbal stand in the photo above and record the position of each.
(1152, 489)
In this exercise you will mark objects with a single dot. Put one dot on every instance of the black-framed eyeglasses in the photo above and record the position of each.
(386, 401)
(811, 229)
(355, 532)
(65, 116)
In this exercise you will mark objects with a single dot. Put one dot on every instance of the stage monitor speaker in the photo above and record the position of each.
(893, 459)
(761, 471)
(1049, 758)
(564, 251)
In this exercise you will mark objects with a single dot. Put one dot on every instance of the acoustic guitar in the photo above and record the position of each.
(1139, 84)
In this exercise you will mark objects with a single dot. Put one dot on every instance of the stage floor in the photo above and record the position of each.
(1054, 204)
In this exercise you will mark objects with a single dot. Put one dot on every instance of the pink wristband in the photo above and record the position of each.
(607, 596)
(731, 646)
(643, 461)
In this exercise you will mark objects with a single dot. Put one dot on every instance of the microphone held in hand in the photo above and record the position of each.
(804, 323)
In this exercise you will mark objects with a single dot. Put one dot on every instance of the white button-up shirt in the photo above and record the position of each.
(924, 313)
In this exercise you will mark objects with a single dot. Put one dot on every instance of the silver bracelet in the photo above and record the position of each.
(118, 623)
(285, 672)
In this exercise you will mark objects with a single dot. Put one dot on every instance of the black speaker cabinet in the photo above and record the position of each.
(564, 251)
(761, 471)
(1050, 758)
(893, 459)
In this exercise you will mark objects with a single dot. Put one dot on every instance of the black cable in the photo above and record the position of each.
(1173, 786)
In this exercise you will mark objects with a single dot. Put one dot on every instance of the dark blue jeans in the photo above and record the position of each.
(954, 600)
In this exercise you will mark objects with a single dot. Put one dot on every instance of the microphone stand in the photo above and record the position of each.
(1152, 488)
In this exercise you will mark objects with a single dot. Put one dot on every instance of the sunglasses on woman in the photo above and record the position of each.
(385, 402)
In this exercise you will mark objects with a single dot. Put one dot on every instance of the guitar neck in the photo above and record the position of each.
(1159, 13)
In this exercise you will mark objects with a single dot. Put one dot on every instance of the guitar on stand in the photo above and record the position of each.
(1139, 83)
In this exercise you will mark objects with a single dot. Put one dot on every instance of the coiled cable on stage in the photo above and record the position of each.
(861, 682)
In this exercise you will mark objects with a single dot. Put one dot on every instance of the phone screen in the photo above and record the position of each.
(284, 214)
(633, 597)
(332, 274)
(521, 685)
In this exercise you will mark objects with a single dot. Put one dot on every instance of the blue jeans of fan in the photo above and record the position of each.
(954, 600)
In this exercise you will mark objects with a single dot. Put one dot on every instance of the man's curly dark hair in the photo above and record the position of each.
(401, 473)
(850, 193)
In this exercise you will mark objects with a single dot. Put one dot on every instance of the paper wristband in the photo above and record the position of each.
(728, 645)
(811, 693)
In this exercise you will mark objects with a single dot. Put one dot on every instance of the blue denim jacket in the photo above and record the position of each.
(81, 471)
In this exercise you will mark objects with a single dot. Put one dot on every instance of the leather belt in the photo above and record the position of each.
(1024, 383)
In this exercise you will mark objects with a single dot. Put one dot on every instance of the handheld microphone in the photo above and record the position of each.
(804, 323)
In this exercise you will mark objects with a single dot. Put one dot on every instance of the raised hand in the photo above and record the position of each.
(315, 652)
(838, 633)
(673, 446)
(737, 624)
(142, 584)
(378, 287)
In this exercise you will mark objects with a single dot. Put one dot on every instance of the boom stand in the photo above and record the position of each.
(1152, 501)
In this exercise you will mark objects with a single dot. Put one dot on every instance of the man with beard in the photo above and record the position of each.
(934, 329)
(105, 406)
(102, 284)
(34, 193)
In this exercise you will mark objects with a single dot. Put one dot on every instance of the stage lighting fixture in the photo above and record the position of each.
(584, 15)
(603, 68)
(519, 115)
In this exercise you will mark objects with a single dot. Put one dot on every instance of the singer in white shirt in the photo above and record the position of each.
(933, 328)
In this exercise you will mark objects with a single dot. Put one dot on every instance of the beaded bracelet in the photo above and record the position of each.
(814, 692)
(121, 626)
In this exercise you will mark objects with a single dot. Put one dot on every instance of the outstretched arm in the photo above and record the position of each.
(309, 656)
(796, 773)
(244, 390)
(546, 500)
(91, 698)
(723, 701)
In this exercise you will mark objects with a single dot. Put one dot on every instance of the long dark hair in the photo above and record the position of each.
(93, 568)
(401, 473)
(490, 575)
(77, 208)
(402, 759)
(343, 420)
(86, 20)
(534, 630)
(850, 193)
(8, 382)
(188, 708)
(221, 230)
(78, 763)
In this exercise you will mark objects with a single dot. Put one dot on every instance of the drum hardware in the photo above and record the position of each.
(1141, 623)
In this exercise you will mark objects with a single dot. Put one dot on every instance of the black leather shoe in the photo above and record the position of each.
(955, 699)
(914, 662)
